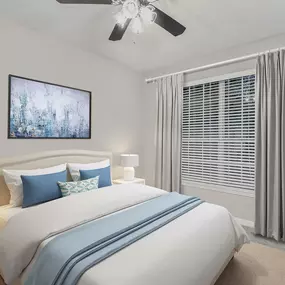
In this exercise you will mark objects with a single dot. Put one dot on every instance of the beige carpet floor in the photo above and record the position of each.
(255, 264)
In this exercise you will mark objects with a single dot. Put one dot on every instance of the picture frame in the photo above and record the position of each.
(43, 110)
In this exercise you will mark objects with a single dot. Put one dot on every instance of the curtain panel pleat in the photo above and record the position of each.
(168, 133)
(270, 146)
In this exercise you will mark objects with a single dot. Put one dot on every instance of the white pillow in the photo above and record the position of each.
(75, 167)
(14, 181)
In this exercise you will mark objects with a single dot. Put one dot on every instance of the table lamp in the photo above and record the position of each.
(129, 161)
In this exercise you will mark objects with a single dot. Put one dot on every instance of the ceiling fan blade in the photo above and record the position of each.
(108, 2)
(168, 23)
(119, 31)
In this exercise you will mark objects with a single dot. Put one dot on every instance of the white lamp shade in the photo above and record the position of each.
(129, 160)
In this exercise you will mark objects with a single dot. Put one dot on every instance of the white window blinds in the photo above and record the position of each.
(218, 133)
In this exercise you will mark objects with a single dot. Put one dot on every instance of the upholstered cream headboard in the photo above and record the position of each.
(47, 159)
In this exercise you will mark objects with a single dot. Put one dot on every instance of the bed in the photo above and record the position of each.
(193, 249)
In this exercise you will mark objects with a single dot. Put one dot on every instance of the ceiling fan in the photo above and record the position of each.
(137, 13)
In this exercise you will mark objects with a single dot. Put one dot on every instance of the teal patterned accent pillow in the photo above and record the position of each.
(70, 188)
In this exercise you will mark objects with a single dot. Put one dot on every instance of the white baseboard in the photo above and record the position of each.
(245, 222)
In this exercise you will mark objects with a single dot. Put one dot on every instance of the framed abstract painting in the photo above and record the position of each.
(42, 110)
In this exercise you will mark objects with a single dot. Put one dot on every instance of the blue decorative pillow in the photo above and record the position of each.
(103, 173)
(41, 188)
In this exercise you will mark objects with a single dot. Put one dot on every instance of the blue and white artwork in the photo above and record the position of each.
(44, 110)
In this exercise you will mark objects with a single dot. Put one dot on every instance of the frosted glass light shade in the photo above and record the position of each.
(129, 160)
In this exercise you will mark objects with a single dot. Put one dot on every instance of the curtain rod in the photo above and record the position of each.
(213, 65)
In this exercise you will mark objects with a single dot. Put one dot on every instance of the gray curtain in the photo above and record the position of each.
(270, 146)
(168, 133)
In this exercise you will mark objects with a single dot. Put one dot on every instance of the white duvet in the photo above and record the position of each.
(189, 251)
(7, 212)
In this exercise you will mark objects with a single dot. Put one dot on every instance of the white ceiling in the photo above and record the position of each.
(212, 26)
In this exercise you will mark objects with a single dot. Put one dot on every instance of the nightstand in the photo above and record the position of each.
(135, 181)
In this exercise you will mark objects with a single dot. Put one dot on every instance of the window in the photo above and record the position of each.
(218, 133)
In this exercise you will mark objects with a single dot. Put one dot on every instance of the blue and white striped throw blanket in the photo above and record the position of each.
(69, 255)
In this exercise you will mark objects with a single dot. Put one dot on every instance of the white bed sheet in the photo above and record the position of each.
(7, 212)
(191, 250)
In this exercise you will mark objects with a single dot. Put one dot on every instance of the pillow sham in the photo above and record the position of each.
(38, 189)
(103, 173)
(14, 181)
(71, 188)
(75, 167)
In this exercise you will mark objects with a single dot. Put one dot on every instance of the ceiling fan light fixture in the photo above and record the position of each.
(121, 18)
(137, 25)
(131, 8)
(137, 13)
(147, 14)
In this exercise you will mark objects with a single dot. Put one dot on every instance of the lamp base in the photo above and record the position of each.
(129, 173)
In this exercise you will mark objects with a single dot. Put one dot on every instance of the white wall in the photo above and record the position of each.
(240, 206)
(116, 91)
